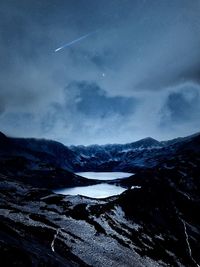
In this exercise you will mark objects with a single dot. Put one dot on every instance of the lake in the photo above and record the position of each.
(104, 175)
(97, 191)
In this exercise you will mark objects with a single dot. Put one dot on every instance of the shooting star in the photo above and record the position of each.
(75, 41)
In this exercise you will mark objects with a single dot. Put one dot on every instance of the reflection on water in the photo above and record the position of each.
(104, 175)
(95, 191)
(99, 190)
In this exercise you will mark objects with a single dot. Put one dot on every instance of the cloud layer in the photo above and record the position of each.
(137, 76)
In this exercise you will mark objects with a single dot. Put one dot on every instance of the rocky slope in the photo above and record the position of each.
(156, 223)
(146, 153)
(50, 155)
(40, 163)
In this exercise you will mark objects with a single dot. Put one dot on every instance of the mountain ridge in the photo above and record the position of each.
(146, 152)
(155, 222)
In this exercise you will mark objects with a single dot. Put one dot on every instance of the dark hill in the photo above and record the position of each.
(153, 223)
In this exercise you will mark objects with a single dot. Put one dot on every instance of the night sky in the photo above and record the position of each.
(136, 75)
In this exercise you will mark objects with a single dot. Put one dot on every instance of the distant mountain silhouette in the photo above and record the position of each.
(155, 222)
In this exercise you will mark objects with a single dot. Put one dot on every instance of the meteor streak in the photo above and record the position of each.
(74, 41)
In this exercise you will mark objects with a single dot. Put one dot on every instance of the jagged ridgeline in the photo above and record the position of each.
(155, 222)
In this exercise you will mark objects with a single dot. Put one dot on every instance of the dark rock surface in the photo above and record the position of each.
(153, 223)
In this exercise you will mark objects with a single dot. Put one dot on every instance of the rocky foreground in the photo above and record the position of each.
(156, 223)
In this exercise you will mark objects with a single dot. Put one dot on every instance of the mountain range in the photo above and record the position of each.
(155, 222)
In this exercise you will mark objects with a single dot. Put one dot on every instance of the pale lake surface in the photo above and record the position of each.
(97, 191)
(104, 175)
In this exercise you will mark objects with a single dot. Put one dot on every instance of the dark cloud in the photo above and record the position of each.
(87, 111)
(92, 101)
(133, 68)
(182, 106)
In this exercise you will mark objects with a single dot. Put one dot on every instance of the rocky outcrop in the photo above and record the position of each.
(153, 223)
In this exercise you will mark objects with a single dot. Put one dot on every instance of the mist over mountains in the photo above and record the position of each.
(99, 85)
